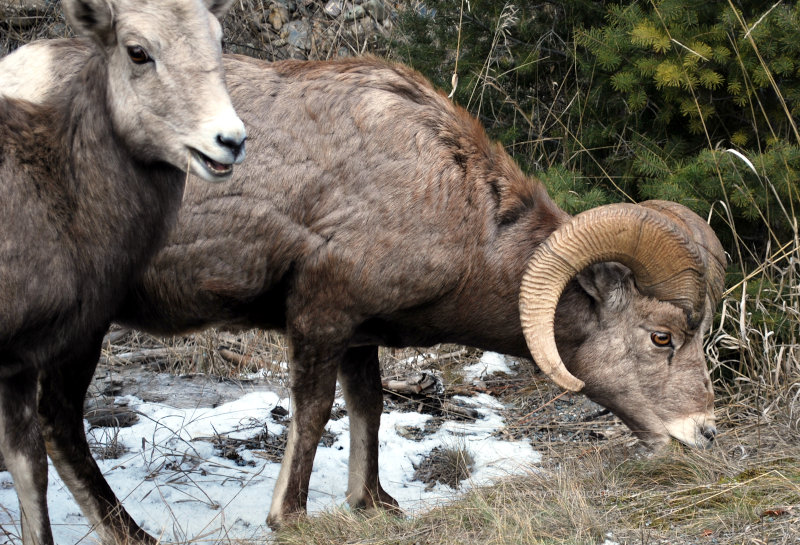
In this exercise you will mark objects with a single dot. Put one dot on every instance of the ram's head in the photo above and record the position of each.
(630, 334)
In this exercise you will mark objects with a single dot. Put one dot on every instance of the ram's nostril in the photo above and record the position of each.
(709, 432)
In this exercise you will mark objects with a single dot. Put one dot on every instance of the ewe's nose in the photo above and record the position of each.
(230, 134)
(234, 142)
(709, 432)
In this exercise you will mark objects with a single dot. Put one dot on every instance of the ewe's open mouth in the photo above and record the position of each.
(215, 168)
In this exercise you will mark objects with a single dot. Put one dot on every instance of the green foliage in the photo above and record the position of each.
(633, 100)
(708, 78)
(569, 190)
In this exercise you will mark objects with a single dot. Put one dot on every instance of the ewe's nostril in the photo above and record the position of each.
(709, 432)
(236, 145)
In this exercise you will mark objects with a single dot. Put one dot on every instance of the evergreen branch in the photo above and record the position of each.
(768, 72)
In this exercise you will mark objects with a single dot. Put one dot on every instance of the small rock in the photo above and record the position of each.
(376, 8)
(333, 8)
(412, 433)
(362, 27)
(299, 34)
(108, 385)
(356, 12)
(278, 16)
(288, 4)
(279, 412)
(297, 54)
(111, 416)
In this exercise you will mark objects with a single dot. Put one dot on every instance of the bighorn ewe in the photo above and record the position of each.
(378, 213)
(90, 179)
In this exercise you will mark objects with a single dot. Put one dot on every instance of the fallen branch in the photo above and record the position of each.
(115, 336)
(423, 383)
(235, 358)
(453, 410)
(147, 354)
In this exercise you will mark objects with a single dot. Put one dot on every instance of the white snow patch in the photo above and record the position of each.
(490, 362)
(418, 359)
(173, 483)
(278, 368)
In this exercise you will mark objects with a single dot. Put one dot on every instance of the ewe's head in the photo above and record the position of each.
(634, 341)
(166, 89)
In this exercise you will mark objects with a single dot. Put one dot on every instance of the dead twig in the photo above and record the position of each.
(423, 383)
(145, 354)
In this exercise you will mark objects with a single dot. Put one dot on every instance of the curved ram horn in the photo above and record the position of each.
(666, 264)
(710, 248)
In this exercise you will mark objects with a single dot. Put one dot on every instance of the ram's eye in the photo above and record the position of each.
(661, 338)
(138, 55)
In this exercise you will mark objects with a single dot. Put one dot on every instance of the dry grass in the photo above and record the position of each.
(211, 352)
(23, 26)
(746, 490)
(446, 465)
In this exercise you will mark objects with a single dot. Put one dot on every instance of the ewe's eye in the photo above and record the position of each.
(660, 338)
(138, 55)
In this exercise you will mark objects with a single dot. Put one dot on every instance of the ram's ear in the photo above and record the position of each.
(609, 284)
(91, 18)
(219, 8)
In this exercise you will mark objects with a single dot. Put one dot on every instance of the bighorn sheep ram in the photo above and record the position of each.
(91, 177)
(376, 212)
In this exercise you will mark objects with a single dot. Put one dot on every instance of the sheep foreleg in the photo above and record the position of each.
(24, 453)
(61, 414)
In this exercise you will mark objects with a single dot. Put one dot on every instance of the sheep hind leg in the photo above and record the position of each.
(63, 391)
(312, 375)
(23, 451)
(359, 376)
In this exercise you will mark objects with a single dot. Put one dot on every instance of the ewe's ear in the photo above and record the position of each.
(91, 18)
(218, 8)
(609, 284)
